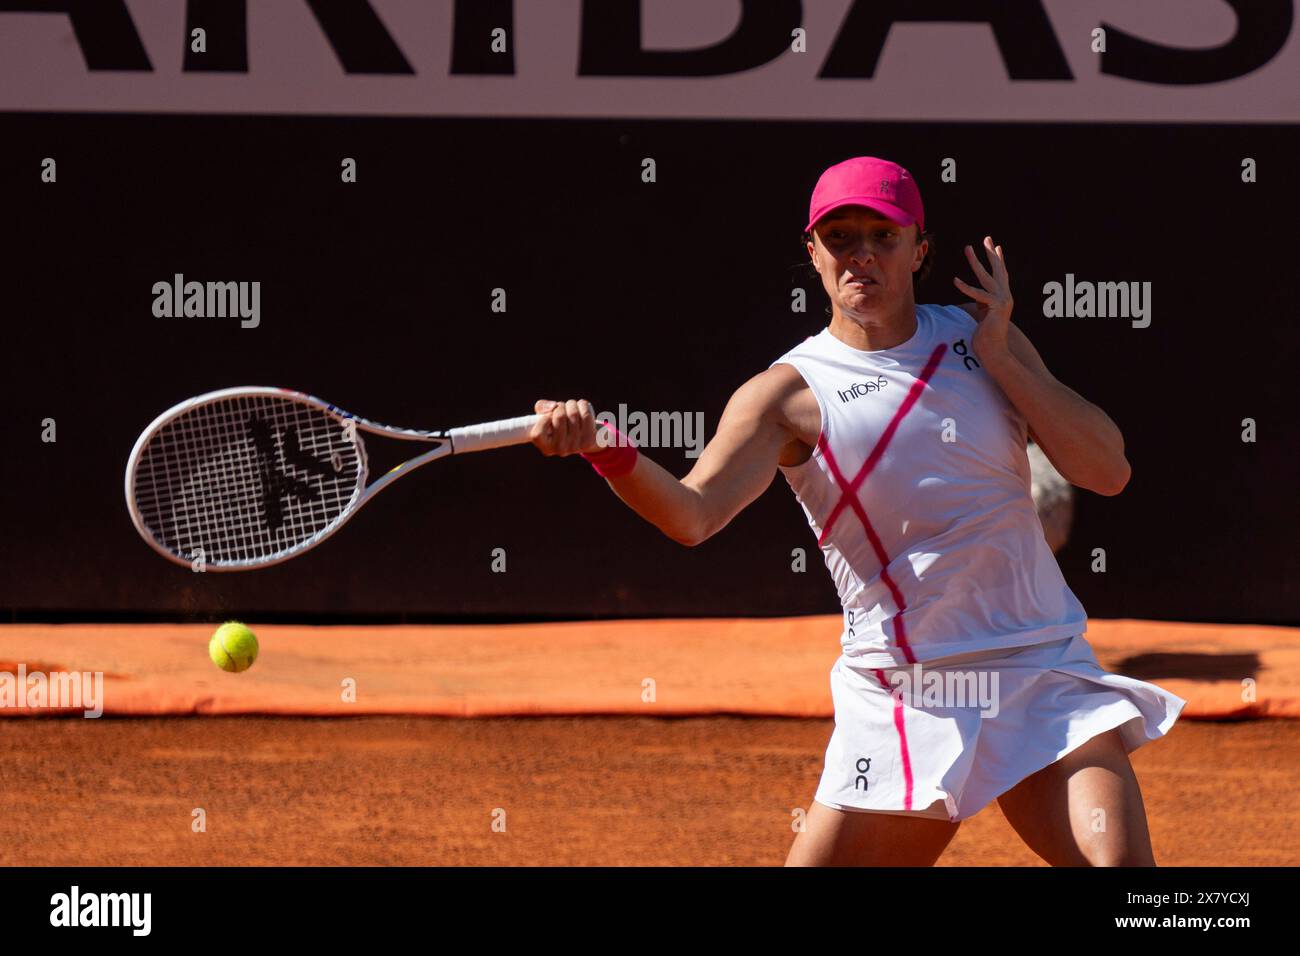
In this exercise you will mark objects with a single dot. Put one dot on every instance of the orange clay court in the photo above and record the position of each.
(667, 742)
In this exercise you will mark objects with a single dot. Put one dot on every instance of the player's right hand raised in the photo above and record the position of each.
(567, 428)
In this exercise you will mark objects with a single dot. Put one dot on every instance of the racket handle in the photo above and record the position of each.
(498, 434)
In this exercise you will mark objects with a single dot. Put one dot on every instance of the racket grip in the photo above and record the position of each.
(498, 434)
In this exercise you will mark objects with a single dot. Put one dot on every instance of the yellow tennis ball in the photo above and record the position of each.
(233, 647)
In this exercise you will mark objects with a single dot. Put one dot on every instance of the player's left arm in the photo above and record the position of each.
(1079, 439)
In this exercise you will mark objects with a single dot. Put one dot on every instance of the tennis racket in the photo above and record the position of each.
(245, 478)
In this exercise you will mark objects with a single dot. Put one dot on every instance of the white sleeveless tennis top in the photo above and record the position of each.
(918, 492)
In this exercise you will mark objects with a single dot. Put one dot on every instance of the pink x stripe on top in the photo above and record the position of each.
(849, 491)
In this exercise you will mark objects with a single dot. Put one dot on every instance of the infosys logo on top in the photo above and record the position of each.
(858, 389)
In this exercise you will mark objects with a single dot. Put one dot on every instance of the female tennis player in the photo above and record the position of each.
(902, 430)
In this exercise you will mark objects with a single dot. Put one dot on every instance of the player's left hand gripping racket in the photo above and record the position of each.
(244, 478)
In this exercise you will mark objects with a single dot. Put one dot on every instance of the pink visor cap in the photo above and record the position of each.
(866, 181)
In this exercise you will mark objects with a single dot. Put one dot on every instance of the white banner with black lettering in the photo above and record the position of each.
(937, 60)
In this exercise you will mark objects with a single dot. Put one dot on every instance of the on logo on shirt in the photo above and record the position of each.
(969, 360)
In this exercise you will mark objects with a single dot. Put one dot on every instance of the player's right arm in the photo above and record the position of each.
(772, 419)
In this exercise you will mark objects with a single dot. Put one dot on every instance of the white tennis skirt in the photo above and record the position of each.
(945, 738)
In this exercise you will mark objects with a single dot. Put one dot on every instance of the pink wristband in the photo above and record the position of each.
(616, 460)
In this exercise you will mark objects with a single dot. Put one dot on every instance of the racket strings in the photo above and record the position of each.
(246, 479)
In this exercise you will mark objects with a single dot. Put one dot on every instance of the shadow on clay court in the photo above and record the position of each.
(1202, 667)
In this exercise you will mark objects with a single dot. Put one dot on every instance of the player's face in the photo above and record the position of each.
(865, 259)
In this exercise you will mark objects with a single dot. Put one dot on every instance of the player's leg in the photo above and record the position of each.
(854, 838)
(1084, 810)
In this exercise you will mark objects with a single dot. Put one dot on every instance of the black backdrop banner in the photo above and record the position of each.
(658, 296)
